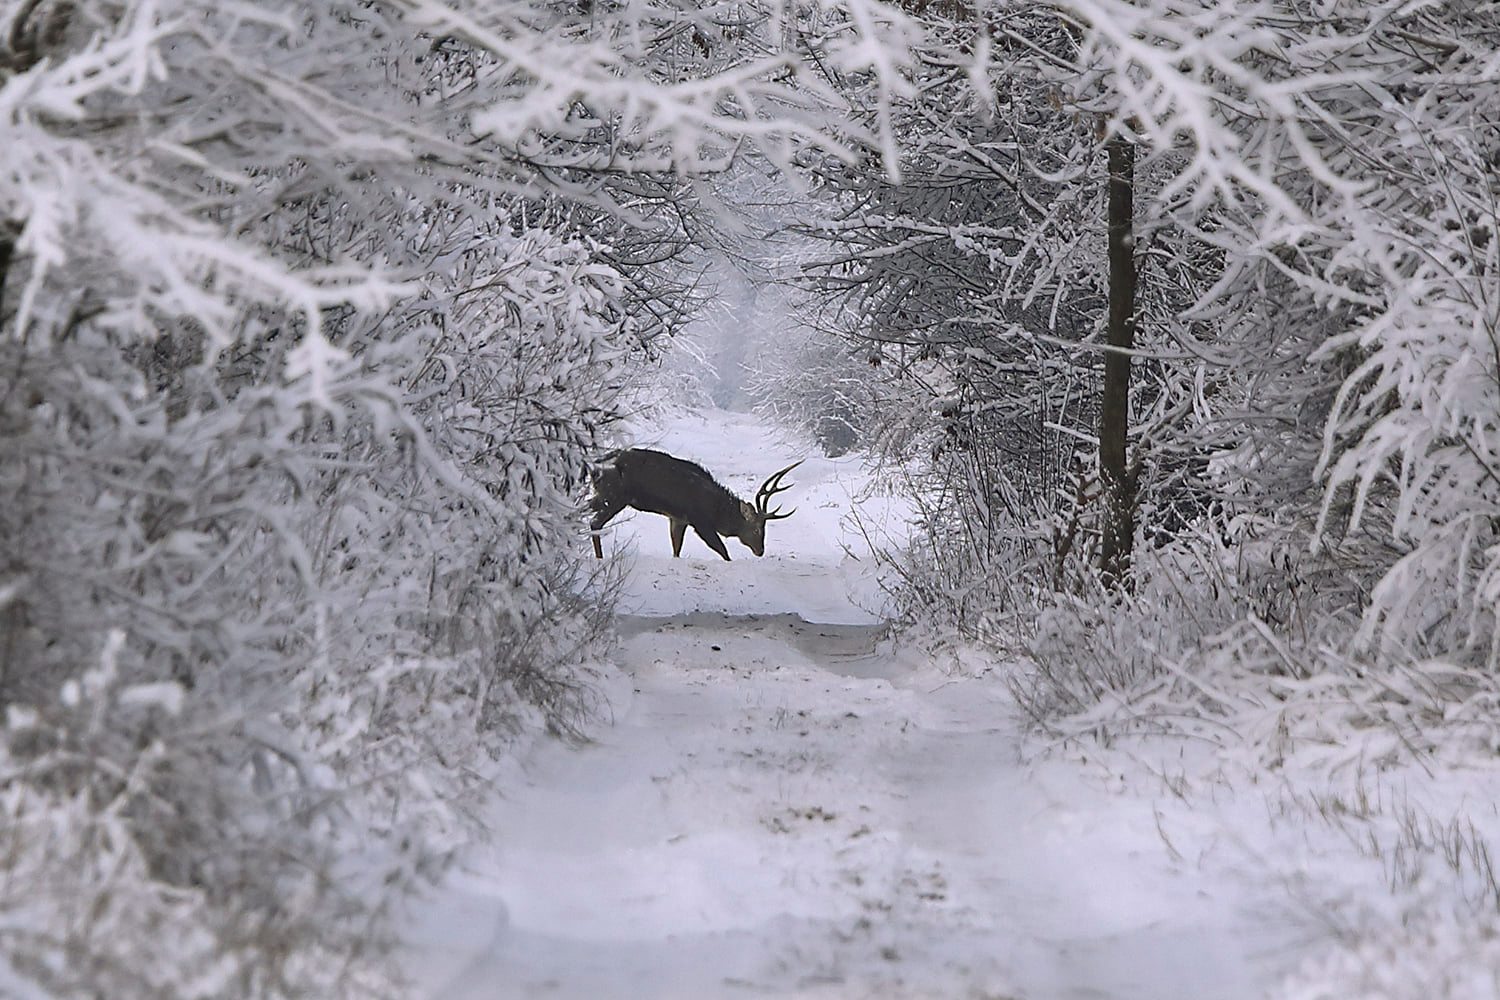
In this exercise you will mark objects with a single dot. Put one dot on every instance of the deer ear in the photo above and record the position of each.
(749, 512)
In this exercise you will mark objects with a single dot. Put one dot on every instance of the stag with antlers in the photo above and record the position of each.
(687, 495)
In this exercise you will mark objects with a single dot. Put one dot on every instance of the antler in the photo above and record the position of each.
(770, 488)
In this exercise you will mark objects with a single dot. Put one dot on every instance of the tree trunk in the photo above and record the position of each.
(1118, 481)
(10, 232)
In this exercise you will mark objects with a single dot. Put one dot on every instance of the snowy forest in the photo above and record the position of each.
(1135, 634)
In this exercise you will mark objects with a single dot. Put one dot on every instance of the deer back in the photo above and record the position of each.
(663, 484)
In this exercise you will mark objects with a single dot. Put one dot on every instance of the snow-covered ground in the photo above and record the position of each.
(787, 804)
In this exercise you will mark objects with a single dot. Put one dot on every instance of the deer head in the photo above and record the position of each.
(753, 531)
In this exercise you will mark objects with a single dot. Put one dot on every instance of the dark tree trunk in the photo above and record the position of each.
(1114, 412)
(9, 234)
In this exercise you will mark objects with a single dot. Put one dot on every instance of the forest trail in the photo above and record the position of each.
(788, 805)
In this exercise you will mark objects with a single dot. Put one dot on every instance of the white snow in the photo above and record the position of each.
(786, 804)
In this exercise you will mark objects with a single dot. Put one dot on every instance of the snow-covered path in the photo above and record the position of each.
(786, 805)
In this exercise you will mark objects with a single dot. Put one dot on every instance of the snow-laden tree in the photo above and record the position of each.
(1344, 166)
(979, 283)
(1314, 195)
(312, 317)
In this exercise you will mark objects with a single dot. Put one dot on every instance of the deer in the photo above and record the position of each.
(687, 494)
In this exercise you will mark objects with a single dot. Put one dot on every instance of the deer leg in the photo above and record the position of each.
(602, 516)
(714, 541)
(679, 529)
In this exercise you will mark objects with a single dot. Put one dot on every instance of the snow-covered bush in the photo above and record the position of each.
(1426, 956)
(1160, 657)
(347, 609)
(1437, 932)
(1352, 302)
(1314, 241)
(820, 387)
(978, 285)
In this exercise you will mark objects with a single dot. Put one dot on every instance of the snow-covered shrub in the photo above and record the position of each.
(672, 374)
(971, 571)
(1352, 304)
(147, 852)
(1428, 956)
(1247, 649)
(348, 610)
(1315, 295)
(820, 387)
(1157, 658)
